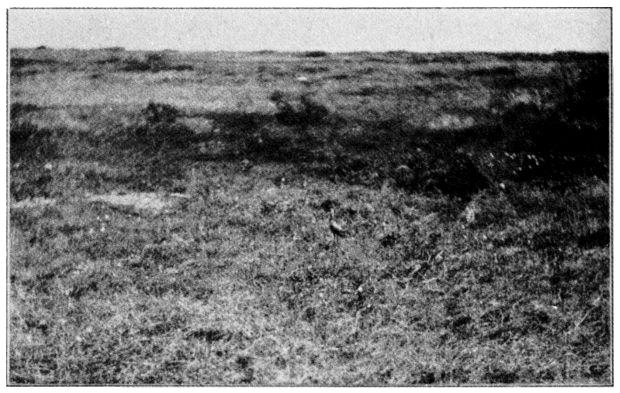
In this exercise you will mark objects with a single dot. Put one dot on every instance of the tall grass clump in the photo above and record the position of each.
(158, 127)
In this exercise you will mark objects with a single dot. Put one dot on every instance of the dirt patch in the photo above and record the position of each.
(451, 122)
(141, 201)
(199, 125)
(33, 202)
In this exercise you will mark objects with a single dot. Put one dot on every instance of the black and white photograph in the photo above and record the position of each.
(316, 196)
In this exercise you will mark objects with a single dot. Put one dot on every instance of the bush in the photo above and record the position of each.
(159, 127)
(160, 113)
(18, 109)
(174, 135)
(316, 53)
(574, 118)
(109, 60)
(584, 102)
(20, 62)
(136, 65)
(455, 175)
(154, 62)
(31, 147)
(494, 72)
(314, 70)
(269, 142)
(28, 141)
(311, 109)
(30, 181)
(315, 108)
(486, 208)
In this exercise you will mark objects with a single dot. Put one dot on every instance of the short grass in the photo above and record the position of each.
(477, 247)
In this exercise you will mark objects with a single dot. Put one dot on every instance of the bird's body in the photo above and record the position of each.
(337, 228)
(246, 165)
(304, 81)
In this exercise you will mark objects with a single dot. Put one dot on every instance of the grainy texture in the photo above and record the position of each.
(170, 214)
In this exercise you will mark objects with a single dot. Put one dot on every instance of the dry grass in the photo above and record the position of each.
(139, 258)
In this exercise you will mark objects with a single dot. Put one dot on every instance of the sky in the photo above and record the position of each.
(335, 30)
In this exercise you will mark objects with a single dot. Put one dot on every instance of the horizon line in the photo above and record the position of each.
(123, 49)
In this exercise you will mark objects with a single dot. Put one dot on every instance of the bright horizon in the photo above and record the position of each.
(332, 30)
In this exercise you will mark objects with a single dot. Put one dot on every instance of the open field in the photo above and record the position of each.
(170, 211)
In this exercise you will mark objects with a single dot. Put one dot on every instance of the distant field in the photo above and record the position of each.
(169, 218)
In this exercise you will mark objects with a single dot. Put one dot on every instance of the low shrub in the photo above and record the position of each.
(159, 128)
(311, 109)
(499, 71)
(486, 208)
(289, 112)
(30, 181)
(316, 53)
(367, 91)
(573, 117)
(160, 113)
(18, 109)
(28, 141)
(455, 175)
(135, 65)
(109, 60)
(340, 77)
(20, 62)
(314, 70)
(315, 108)
(154, 62)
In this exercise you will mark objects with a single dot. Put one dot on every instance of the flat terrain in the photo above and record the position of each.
(169, 219)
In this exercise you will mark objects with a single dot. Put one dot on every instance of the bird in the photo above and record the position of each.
(336, 228)
(246, 165)
(303, 80)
